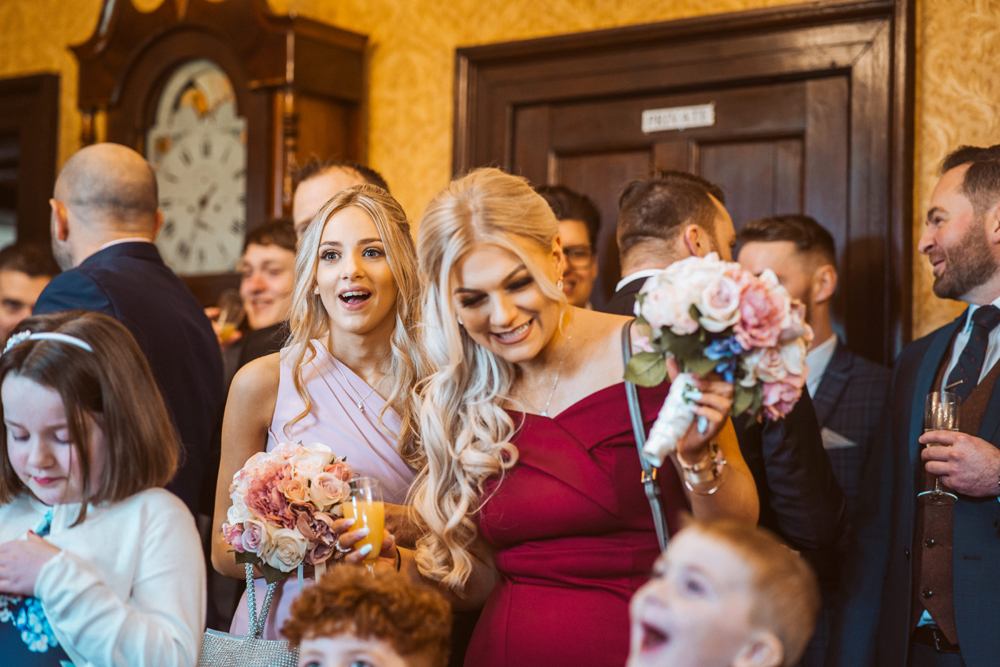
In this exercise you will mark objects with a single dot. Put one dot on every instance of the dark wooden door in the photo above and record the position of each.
(774, 149)
(812, 114)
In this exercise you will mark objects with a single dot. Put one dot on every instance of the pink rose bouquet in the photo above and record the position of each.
(284, 504)
(710, 316)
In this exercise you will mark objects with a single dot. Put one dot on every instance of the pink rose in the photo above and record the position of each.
(719, 304)
(233, 534)
(254, 536)
(781, 397)
(328, 489)
(763, 315)
(319, 554)
(340, 470)
(295, 489)
(797, 327)
(771, 365)
(642, 344)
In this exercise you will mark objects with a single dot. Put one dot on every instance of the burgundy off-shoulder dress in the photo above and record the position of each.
(574, 536)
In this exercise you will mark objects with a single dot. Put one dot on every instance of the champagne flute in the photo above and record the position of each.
(940, 414)
(366, 506)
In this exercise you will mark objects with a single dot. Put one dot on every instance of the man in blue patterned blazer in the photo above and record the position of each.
(848, 391)
(922, 581)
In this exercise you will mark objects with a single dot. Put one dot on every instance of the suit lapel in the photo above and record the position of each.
(925, 378)
(834, 381)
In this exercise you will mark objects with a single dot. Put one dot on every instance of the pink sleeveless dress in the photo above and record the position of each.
(335, 421)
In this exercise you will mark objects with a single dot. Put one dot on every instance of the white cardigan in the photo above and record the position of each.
(128, 587)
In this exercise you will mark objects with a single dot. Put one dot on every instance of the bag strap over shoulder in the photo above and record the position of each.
(649, 484)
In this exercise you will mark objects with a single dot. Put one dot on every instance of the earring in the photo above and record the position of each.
(559, 284)
(316, 290)
(460, 322)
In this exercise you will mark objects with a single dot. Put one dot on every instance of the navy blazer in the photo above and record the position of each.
(800, 499)
(130, 283)
(849, 402)
(873, 627)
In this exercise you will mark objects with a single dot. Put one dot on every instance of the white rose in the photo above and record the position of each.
(286, 550)
(238, 512)
(309, 464)
(794, 356)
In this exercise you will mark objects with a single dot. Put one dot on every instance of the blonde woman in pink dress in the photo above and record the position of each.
(345, 377)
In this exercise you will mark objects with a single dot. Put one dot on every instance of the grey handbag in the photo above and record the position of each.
(221, 649)
(649, 483)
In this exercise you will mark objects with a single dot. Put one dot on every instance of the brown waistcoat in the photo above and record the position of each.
(932, 537)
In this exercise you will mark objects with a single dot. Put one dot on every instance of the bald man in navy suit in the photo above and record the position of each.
(104, 221)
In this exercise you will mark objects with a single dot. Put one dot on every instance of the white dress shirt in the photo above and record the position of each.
(817, 359)
(643, 274)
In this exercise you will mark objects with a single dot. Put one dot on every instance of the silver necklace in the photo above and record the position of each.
(555, 383)
(361, 403)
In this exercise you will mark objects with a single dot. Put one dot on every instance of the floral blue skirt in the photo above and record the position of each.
(26, 638)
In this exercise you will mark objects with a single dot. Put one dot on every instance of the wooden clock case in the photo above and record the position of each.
(298, 83)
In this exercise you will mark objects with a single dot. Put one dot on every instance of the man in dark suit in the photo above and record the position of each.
(677, 215)
(848, 391)
(104, 220)
(922, 581)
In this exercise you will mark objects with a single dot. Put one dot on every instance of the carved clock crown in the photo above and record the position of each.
(297, 84)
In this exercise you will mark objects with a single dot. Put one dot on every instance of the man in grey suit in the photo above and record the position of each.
(922, 581)
(848, 391)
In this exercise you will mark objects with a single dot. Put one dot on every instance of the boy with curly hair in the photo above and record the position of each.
(351, 617)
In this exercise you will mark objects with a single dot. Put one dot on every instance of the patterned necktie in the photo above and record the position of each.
(965, 376)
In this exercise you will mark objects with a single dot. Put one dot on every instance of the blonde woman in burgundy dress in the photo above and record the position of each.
(531, 494)
(345, 377)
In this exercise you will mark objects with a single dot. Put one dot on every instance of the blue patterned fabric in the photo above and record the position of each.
(26, 638)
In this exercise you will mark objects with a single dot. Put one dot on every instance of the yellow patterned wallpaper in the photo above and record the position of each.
(411, 70)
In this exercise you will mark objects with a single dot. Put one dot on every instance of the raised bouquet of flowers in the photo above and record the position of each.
(284, 504)
(712, 315)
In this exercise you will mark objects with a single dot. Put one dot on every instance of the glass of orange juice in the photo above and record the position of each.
(366, 506)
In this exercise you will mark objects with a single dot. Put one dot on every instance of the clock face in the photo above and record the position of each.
(198, 150)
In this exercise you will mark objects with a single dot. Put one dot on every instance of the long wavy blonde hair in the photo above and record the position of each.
(465, 433)
(309, 319)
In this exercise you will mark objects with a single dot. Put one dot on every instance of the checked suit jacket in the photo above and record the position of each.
(873, 625)
(849, 403)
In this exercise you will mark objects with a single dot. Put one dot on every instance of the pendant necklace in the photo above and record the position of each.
(555, 383)
(361, 403)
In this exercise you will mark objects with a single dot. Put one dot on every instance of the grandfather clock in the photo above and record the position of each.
(223, 99)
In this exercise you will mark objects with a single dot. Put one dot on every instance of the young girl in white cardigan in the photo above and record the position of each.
(98, 565)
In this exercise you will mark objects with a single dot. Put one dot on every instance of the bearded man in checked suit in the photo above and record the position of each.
(922, 583)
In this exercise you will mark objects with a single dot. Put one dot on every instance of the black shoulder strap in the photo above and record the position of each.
(648, 479)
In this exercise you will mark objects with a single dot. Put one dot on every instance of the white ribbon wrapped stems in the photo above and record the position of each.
(673, 421)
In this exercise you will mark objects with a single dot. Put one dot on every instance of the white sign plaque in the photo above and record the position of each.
(678, 118)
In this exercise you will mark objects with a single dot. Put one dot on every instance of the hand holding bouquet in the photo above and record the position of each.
(286, 507)
(714, 316)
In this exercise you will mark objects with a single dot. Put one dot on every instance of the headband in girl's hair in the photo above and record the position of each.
(45, 335)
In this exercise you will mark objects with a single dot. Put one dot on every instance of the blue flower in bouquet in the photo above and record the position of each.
(724, 348)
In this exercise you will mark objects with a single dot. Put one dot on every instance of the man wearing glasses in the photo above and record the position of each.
(578, 224)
